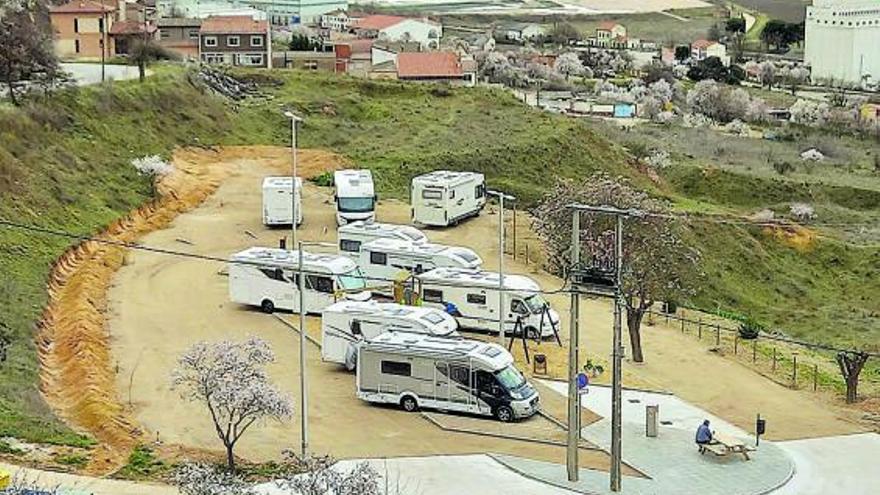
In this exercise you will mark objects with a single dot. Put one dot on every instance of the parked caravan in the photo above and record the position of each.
(277, 201)
(346, 323)
(445, 198)
(384, 261)
(355, 196)
(355, 234)
(472, 297)
(265, 277)
(420, 371)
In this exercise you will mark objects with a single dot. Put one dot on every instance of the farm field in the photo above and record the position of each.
(786, 10)
(533, 7)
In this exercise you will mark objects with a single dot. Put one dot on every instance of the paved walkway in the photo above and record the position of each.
(844, 464)
(671, 460)
(85, 485)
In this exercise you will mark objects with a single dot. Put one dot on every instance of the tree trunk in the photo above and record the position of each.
(11, 85)
(851, 364)
(230, 459)
(634, 324)
(142, 70)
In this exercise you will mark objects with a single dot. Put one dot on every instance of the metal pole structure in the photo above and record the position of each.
(571, 457)
(293, 211)
(303, 392)
(501, 197)
(617, 355)
(103, 38)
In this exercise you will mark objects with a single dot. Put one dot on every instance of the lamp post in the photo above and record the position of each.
(303, 383)
(501, 197)
(294, 119)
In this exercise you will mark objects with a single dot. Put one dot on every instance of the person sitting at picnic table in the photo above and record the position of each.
(704, 435)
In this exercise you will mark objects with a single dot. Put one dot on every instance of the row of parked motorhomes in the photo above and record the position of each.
(441, 198)
(407, 354)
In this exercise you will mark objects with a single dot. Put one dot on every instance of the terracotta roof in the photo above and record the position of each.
(179, 22)
(703, 44)
(130, 27)
(82, 7)
(233, 24)
(428, 64)
(608, 25)
(379, 22)
(361, 46)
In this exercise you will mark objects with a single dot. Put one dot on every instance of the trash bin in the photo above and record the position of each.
(652, 419)
(5, 479)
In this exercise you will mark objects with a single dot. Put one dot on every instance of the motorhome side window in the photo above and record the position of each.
(396, 368)
(517, 306)
(432, 194)
(476, 298)
(480, 191)
(273, 273)
(378, 258)
(320, 284)
(485, 381)
(460, 374)
(432, 295)
(355, 327)
(349, 246)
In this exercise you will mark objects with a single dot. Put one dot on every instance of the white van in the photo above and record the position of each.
(444, 198)
(355, 196)
(265, 277)
(355, 234)
(277, 201)
(346, 323)
(462, 375)
(472, 297)
(385, 261)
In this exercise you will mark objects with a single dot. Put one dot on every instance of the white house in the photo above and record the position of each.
(395, 28)
(703, 49)
(843, 40)
(521, 31)
(338, 20)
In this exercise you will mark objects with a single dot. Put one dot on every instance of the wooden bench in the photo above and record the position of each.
(723, 445)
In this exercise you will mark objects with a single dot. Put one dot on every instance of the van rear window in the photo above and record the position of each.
(432, 194)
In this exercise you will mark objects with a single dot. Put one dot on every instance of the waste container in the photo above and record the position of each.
(652, 419)
(5, 479)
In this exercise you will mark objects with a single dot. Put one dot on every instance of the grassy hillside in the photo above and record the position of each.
(64, 163)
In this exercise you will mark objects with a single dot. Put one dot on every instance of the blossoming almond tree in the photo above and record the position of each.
(230, 379)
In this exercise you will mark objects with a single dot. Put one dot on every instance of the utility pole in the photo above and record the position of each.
(303, 393)
(103, 38)
(294, 120)
(617, 358)
(501, 197)
(571, 457)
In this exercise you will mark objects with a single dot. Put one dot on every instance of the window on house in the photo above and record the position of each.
(163, 33)
(193, 34)
(251, 59)
(378, 258)
(476, 298)
(210, 41)
(396, 368)
(76, 46)
(233, 41)
(256, 41)
(101, 25)
(432, 295)
(310, 65)
(349, 246)
(76, 26)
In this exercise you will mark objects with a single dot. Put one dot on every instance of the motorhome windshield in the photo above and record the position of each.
(356, 205)
(510, 378)
(536, 303)
(353, 280)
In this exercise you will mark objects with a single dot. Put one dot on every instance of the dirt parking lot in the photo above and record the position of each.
(159, 305)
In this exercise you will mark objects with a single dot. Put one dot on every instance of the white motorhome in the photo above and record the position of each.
(472, 297)
(417, 371)
(355, 196)
(346, 323)
(355, 234)
(385, 261)
(445, 198)
(278, 201)
(265, 277)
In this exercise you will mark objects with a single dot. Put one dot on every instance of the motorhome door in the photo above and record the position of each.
(441, 381)
(434, 202)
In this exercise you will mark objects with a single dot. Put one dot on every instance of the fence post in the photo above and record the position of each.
(755, 350)
(773, 368)
(794, 370)
(700, 329)
(717, 335)
(735, 344)
(514, 230)
(682, 323)
(527, 254)
(815, 377)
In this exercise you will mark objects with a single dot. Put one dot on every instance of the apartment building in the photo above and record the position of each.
(235, 40)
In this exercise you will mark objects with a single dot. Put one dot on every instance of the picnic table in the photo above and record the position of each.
(723, 445)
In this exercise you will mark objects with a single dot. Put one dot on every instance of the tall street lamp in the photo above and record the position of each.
(501, 197)
(294, 120)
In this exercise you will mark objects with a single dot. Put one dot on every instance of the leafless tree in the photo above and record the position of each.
(851, 364)
(657, 264)
(231, 380)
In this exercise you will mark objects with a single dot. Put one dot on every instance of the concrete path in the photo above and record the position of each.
(85, 485)
(446, 475)
(844, 464)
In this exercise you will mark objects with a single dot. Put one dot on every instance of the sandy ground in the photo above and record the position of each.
(159, 305)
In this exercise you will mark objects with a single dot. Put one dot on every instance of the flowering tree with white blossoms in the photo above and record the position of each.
(208, 479)
(569, 64)
(152, 166)
(802, 212)
(809, 113)
(231, 380)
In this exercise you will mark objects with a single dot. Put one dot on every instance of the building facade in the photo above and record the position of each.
(81, 29)
(395, 28)
(842, 42)
(180, 34)
(292, 12)
(235, 40)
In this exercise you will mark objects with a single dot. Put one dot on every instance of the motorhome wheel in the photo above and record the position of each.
(504, 414)
(267, 306)
(409, 404)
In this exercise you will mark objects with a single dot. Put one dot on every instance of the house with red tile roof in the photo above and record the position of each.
(611, 34)
(703, 49)
(125, 33)
(435, 67)
(396, 28)
(80, 28)
(235, 40)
